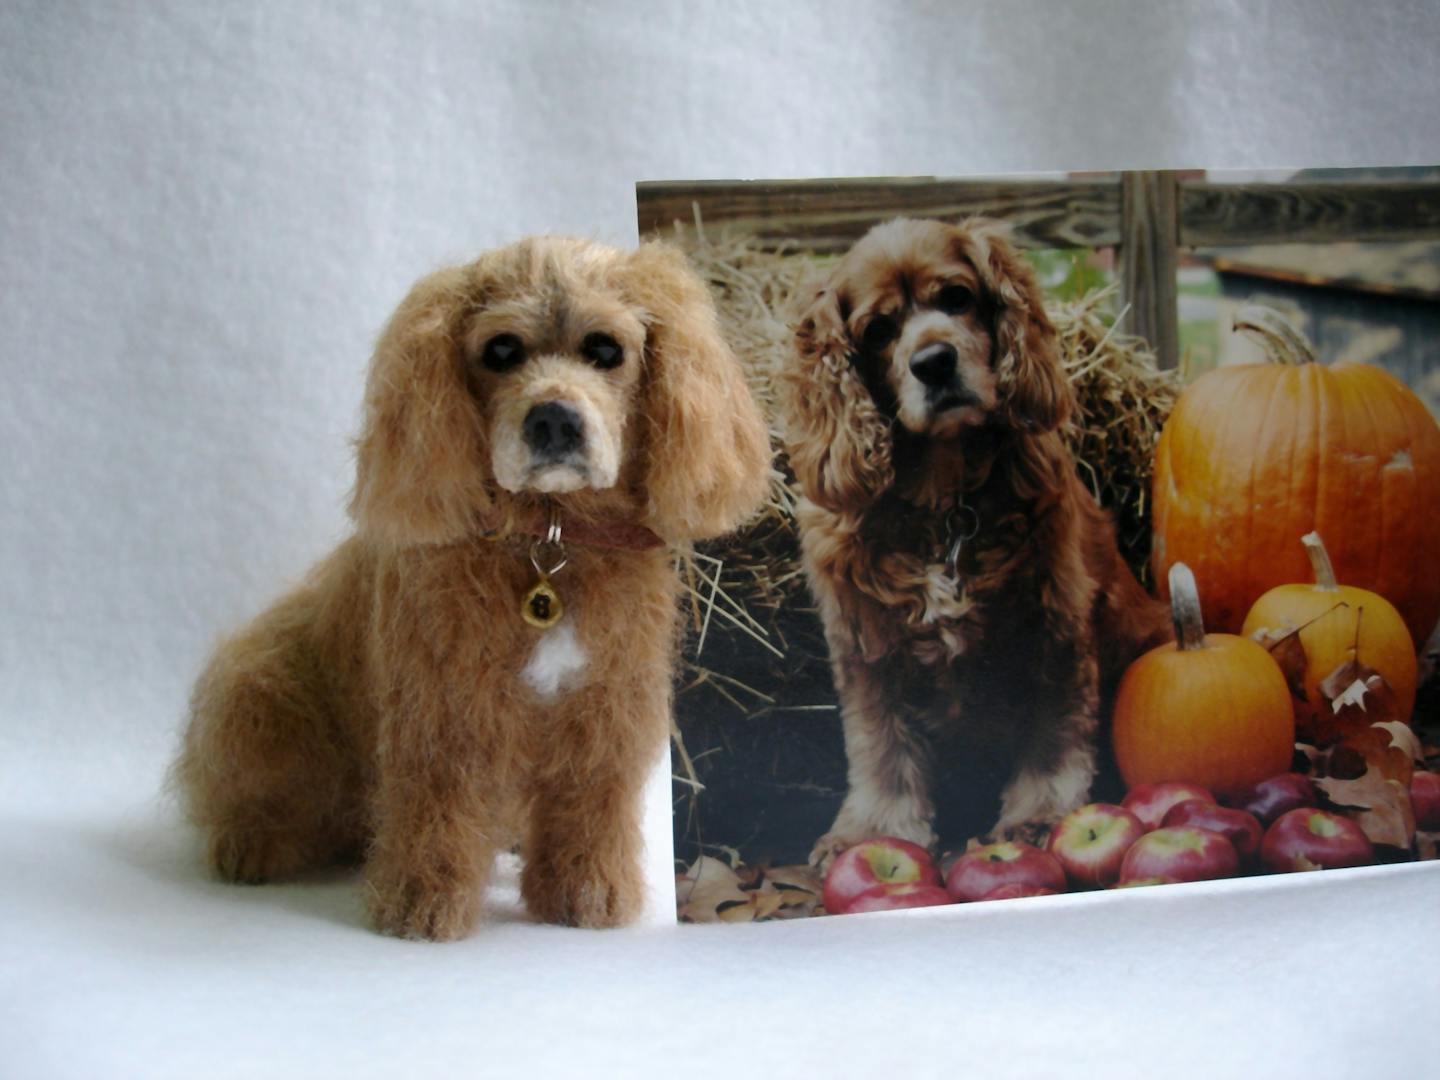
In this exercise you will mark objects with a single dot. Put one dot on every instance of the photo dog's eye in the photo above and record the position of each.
(879, 332)
(503, 352)
(954, 299)
(602, 350)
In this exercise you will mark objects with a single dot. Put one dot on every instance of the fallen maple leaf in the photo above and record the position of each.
(1354, 694)
(1354, 705)
(758, 905)
(1283, 643)
(1379, 805)
(799, 889)
(1403, 738)
(707, 887)
(711, 891)
(1343, 678)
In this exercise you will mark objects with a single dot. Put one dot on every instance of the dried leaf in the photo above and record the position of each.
(1380, 806)
(1339, 681)
(1283, 643)
(758, 905)
(1309, 759)
(1402, 737)
(710, 891)
(799, 889)
(1355, 705)
(1375, 748)
(706, 889)
(1345, 763)
(1354, 694)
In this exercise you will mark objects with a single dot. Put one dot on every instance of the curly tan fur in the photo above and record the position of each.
(950, 680)
(387, 710)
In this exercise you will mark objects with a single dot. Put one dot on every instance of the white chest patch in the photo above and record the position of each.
(558, 662)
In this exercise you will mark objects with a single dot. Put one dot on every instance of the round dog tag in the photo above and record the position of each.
(541, 607)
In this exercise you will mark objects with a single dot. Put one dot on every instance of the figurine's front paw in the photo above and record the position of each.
(588, 896)
(252, 856)
(405, 907)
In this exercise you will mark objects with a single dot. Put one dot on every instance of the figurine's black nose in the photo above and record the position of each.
(934, 365)
(554, 429)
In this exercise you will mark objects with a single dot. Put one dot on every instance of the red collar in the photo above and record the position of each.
(610, 536)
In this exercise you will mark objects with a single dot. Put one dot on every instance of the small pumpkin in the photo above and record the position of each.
(1336, 623)
(1254, 455)
(1210, 709)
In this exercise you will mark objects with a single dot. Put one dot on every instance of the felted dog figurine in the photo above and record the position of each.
(488, 660)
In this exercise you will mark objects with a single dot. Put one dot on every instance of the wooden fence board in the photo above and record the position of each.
(1149, 260)
(1317, 212)
(831, 215)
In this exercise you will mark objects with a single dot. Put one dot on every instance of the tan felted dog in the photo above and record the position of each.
(488, 660)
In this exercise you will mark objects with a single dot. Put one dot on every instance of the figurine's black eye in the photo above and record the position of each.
(602, 350)
(503, 352)
(954, 299)
(879, 332)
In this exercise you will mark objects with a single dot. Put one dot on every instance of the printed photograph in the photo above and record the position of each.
(1099, 547)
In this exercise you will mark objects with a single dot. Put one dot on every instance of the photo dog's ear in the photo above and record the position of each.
(1034, 393)
(423, 471)
(709, 450)
(838, 439)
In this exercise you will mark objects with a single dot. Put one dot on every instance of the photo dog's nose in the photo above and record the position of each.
(554, 429)
(934, 364)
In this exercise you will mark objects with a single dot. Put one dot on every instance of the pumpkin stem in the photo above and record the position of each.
(1283, 344)
(1320, 562)
(1185, 608)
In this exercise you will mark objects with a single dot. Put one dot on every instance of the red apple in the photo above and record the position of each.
(1184, 853)
(1090, 843)
(1425, 799)
(1311, 839)
(1015, 890)
(1141, 881)
(1270, 798)
(1237, 826)
(894, 897)
(884, 862)
(1150, 802)
(985, 869)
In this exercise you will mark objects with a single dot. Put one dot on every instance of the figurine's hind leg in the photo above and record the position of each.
(265, 769)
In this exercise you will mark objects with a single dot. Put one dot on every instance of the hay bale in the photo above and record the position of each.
(1124, 400)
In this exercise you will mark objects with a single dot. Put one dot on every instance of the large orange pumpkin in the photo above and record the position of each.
(1254, 455)
(1335, 624)
(1210, 709)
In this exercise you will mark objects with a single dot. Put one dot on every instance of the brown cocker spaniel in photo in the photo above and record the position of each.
(976, 607)
(456, 677)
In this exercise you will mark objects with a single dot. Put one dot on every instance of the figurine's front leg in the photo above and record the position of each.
(434, 834)
(584, 852)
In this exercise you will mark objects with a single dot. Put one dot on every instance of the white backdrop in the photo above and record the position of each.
(206, 212)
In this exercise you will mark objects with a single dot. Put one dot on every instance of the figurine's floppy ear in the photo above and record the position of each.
(709, 450)
(423, 471)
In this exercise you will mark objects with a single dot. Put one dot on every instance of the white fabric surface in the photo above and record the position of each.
(207, 210)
